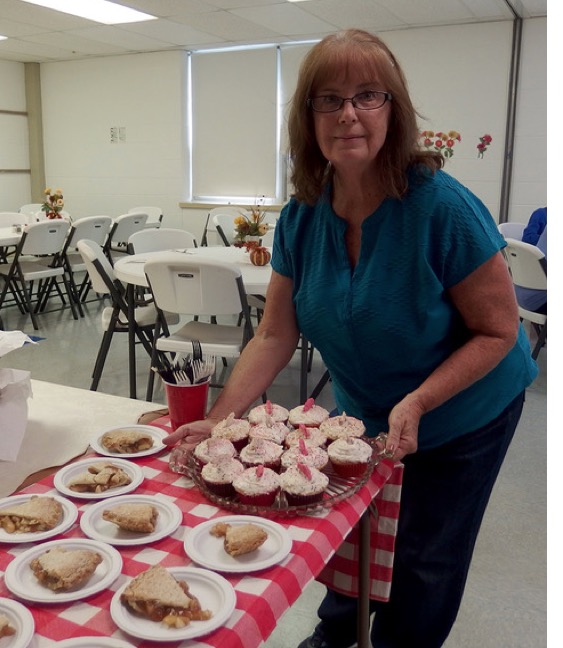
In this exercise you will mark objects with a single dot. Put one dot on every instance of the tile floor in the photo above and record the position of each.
(505, 599)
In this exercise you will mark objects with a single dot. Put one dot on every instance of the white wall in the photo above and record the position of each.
(458, 77)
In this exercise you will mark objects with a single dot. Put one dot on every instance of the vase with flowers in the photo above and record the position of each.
(250, 227)
(54, 203)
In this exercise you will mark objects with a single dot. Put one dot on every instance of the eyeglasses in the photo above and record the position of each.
(368, 100)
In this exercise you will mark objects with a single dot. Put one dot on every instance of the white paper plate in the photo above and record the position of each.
(156, 433)
(21, 581)
(208, 551)
(94, 526)
(213, 591)
(73, 470)
(94, 642)
(70, 513)
(21, 620)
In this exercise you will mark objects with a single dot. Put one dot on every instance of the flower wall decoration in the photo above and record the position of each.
(484, 143)
(251, 225)
(440, 141)
(54, 203)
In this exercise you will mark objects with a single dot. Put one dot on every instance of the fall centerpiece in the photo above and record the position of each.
(54, 203)
(251, 225)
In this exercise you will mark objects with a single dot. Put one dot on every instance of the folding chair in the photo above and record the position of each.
(122, 228)
(164, 238)
(528, 267)
(195, 287)
(115, 319)
(93, 228)
(154, 214)
(36, 260)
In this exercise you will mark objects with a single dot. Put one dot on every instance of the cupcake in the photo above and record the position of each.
(233, 429)
(303, 484)
(311, 436)
(214, 449)
(269, 430)
(301, 453)
(257, 486)
(309, 414)
(349, 457)
(218, 476)
(260, 451)
(341, 427)
(268, 409)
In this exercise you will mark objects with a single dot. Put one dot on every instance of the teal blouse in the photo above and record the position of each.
(385, 325)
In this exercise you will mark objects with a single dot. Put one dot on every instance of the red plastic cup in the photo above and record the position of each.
(186, 403)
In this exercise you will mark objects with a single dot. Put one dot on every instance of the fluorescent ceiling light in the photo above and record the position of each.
(100, 11)
(3, 37)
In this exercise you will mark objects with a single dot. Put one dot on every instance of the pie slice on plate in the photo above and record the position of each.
(36, 515)
(127, 441)
(158, 596)
(98, 478)
(6, 629)
(133, 517)
(64, 569)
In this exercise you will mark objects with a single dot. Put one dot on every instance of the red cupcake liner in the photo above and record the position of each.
(349, 469)
(264, 499)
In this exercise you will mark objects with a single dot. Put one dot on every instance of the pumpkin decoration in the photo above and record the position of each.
(260, 256)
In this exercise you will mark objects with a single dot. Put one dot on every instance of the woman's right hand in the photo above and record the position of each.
(190, 434)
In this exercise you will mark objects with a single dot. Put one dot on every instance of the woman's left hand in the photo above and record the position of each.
(402, 437)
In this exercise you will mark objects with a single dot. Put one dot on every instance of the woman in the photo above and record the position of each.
(393, 270)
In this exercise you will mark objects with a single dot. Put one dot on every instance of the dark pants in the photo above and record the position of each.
(444, 495)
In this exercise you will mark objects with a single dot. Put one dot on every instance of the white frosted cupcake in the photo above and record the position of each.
(349, 457)
(311, 436)
(214, 449)
(233, 429)
(309, 414)
(218, 476)
(303, 485)
(276, 412)
(269, 430)
(342, 426)
(260, 451)
(257, 486)
(305, 454)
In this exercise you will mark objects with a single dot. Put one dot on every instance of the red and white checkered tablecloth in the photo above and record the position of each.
(262, 597)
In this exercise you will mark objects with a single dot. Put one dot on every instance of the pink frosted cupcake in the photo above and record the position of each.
(309, 414)
(303, 485)
(311, 436)
(349, 457)
(260, 451)
(269, 430)
(268, 409)
(343, 426)
(257, 486)
(214, 449)
(308, 455)
(218, 476)
(233, 429)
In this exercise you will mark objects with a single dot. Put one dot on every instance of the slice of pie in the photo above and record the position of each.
(63, 569)
(6, 629)
(132, 517)
(98, 478)
(157, 595)
(127, 441)
(37, 514)
(240, 539)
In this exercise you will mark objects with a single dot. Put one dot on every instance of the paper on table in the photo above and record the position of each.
(15, 389)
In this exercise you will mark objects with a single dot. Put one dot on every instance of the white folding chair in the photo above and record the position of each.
(115, 319)
(164, 238)
(154, 214)
(36, 259)
(210, 232)
(122, 228)
(93, 228)
(528, 268)
(31, 209)
(512, 230)
(195, 287)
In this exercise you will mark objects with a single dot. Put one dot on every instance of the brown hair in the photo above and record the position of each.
(354, 49)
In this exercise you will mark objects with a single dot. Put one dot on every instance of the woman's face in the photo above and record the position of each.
(349, 137)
